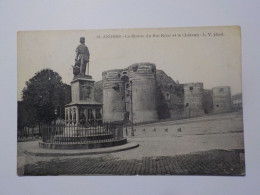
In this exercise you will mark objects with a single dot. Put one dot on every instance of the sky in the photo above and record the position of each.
(211, 55)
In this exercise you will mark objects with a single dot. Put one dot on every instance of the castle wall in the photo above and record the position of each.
(152, 101)
(221, 99)
(208, 101)
(174, 97)
(98, 91)
(113, 96)
(236, 102)
(143, 78)
(177, 105)
(193, 100)
(163, 110)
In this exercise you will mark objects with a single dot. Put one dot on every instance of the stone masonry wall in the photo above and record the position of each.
(221, 99)
(193, 100)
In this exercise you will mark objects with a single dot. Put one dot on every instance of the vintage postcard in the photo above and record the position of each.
(159, 101)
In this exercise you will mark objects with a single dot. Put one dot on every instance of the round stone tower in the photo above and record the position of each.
(221, 99)
(193, 100)
(113, 96)
(142, 77)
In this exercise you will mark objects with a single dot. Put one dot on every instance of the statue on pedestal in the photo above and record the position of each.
(81, 59)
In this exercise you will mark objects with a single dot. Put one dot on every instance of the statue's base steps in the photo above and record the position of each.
(77, 145)
(79, 139)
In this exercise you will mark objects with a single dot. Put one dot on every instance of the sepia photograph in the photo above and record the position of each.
(144, 101)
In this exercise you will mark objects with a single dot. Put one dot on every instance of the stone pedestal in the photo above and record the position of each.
(83, 109)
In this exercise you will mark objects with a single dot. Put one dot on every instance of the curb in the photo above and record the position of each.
(79, 146)
(60, 153)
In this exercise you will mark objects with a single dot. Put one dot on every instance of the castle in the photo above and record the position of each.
(139, 89)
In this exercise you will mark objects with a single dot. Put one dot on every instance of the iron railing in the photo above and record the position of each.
(67, 134)
(28, 133)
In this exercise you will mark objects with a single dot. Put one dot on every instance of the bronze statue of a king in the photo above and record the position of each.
(81, 59)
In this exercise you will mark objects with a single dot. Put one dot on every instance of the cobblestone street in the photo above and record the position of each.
(215, 162)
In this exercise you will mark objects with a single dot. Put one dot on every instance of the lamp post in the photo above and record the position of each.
(129, 92)
(131, 98)
(126, 118)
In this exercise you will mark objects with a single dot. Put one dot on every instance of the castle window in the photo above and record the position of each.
(118, 75)
(187, 104)
(217, 105)
(191, 88)
(221, 90)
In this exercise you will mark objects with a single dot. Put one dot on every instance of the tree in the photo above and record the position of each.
(44, 93)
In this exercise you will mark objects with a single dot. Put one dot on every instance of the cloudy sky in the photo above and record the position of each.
(185, 54)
